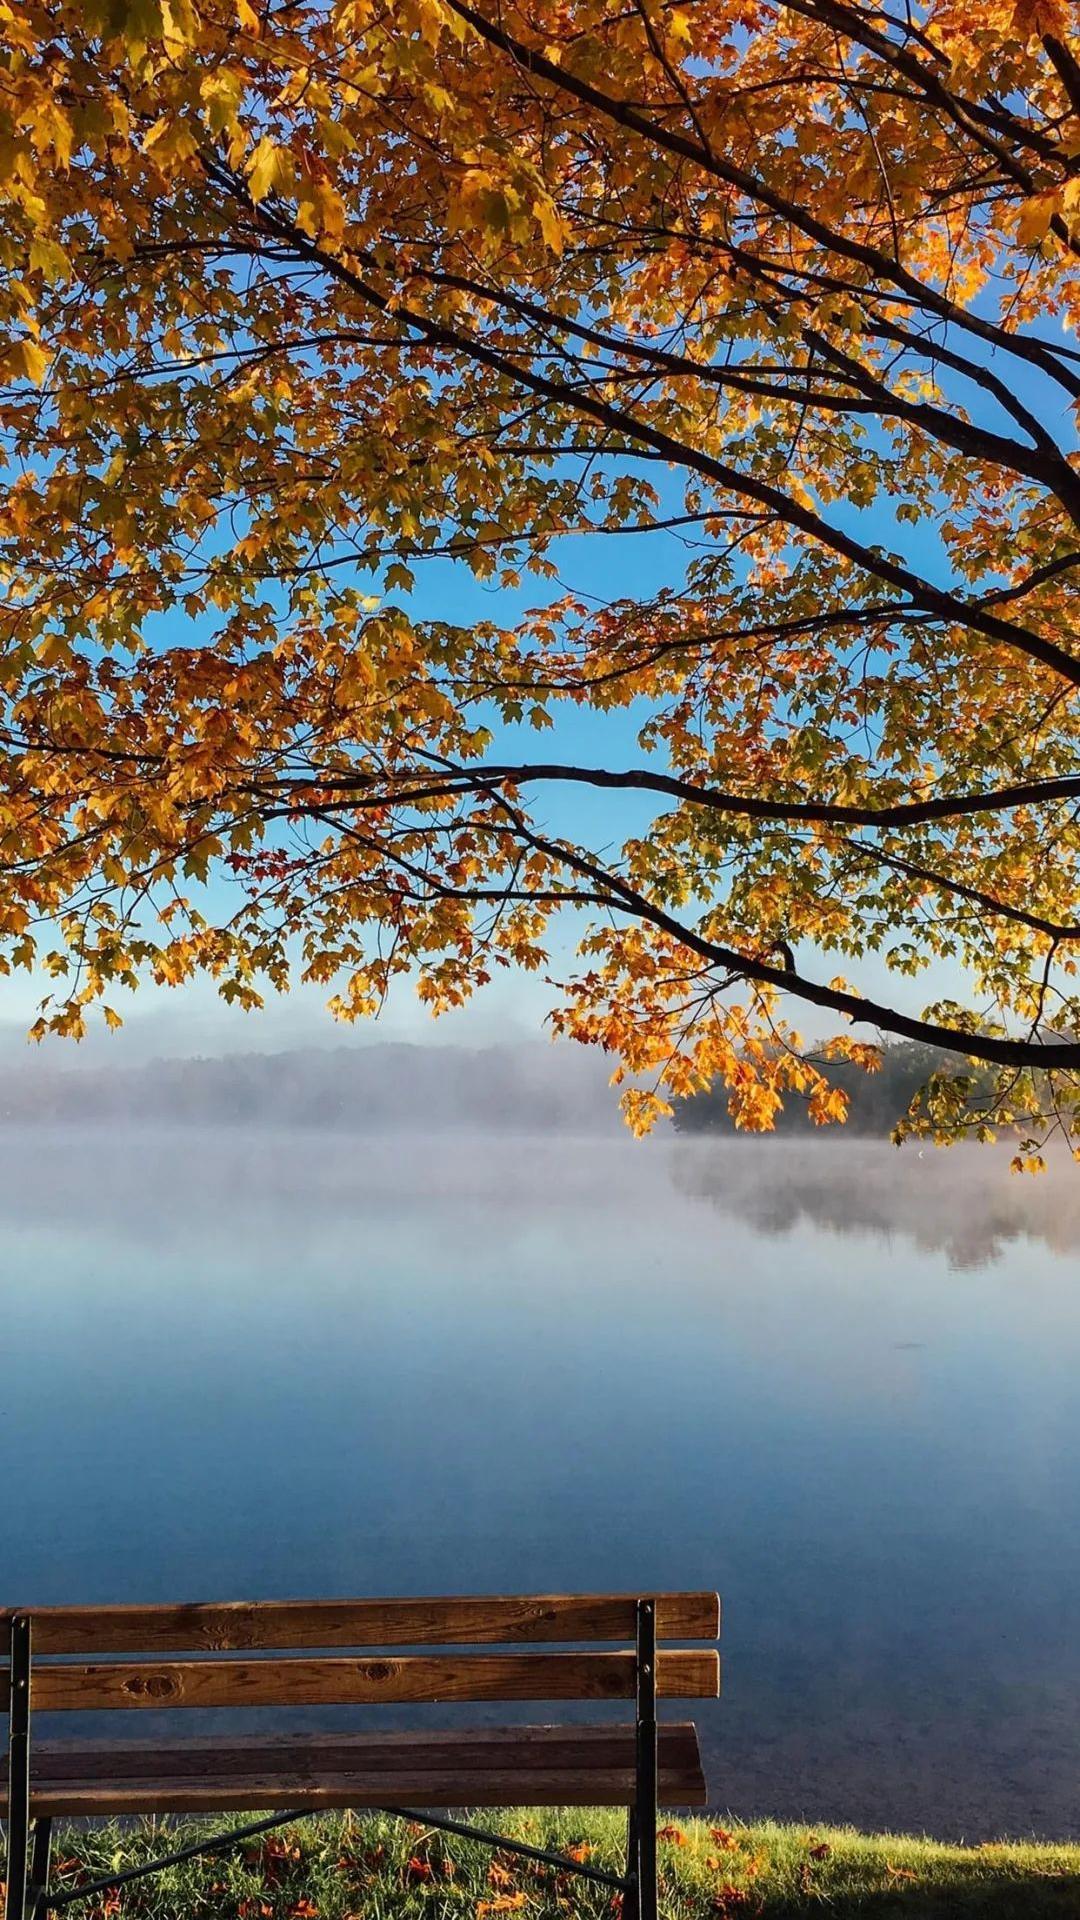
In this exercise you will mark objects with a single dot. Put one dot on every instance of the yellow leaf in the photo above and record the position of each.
(112, 1019)
(221, 93)
(33, 360)
(248, 17)
(270, 169)
(50, 260)
(551, 224)
(179, 21)
(170, 139)
(1033, 219)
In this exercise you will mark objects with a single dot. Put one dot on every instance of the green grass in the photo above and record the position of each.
(366, 1867)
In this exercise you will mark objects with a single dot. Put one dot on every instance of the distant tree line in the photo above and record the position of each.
(390, 1086)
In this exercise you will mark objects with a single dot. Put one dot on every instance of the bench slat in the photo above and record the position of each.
(334, 1681)
(527, 1747)
(539, 1766)
(587, 1789)
(249, 1626)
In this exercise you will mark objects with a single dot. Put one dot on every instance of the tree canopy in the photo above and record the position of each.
(297, 298)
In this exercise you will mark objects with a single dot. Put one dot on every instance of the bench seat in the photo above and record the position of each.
(523, 1766)
(589, 1649)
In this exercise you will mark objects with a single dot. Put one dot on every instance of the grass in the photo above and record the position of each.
(367, 1867)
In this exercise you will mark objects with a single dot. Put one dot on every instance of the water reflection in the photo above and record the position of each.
(963, 1201)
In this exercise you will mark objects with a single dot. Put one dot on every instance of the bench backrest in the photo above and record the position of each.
(299, 1658)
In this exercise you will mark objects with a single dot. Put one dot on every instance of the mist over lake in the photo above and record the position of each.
(834, 1381)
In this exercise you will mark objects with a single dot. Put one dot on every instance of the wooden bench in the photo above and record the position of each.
(308, 1654)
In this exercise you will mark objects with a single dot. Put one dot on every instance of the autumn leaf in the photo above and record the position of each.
(1041, 17)
(48, 258)
(31, 360)
(270, 169)
(550, 223)
(1034, 217)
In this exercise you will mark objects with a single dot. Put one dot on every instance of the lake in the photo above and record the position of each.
(838, 1383)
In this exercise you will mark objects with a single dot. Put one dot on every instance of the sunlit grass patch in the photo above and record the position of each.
(369, 1867)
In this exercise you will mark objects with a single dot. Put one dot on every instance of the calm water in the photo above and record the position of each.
(839, 1384)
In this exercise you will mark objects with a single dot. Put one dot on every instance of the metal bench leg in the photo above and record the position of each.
(630, 1898)
(645, 1806)
(18, 1767)
(40, 1852)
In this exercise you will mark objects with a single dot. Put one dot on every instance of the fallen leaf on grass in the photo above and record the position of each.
(274, 1856)
(673, 1835)
(579, 1852)
(724, 1839)
(900, 1873)
(503, 1903)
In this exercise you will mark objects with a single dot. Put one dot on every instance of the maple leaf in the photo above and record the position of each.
(550, 222)
(31, 360)
(269, 170)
